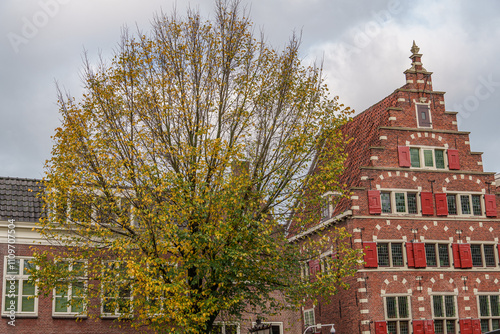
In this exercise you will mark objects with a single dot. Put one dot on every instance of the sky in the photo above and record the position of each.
(364, 47)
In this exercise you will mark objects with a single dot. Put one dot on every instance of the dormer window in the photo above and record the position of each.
(423, 116)
(328, 202)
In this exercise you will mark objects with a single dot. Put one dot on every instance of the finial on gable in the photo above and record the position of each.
(414, 49)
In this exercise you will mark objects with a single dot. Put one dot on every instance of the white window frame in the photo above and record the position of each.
(82, 279)
(430, 115)
(389, 246)
(489, 317)
(392, 196)
(483, 257)
(422, 157)
(445, 318)
(458, 203)
(273, 323)
(398, 320)
(308, 313)
(329, 198)
(116, 314)
(224, 323)
(7, 278)
(436, 249)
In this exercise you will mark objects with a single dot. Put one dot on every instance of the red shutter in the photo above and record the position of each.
(453, 161)
(314, 269)
(404, 156)
(465, 255)
(427, 204)
(409, 254)
(429, 326)
(419, 253)
(465, 326)
(441, 204)
(374, 202)
(456, 256)
(380, 327)
(491, 205)
(418, 327)
(476, 326)
(370, 257)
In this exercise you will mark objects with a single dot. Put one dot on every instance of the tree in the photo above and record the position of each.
(172, 180)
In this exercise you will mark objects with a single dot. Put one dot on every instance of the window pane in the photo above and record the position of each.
(450, 326)
(275, 329)
(412, 203)
(428, 158)
(391, 307)
(383, 255)
(484, 307)
(415, 157)
(439, 154)
(438, 306)
(11, 285)
(452, 204)
(438, 327)
(403, 306)
(77, 305)
(495, 324)
(495, 310)
(217, 329)
(28, 289)
(397, 254)
(476, 205)
(444, 260)
(403, 327)
(489, 255)
(449, 304)
(28, 304)
(61, 304)
(484, 325)
(477, 260)
(391, 327)
(465, 204)
(400, 202)
(231, 329)
(13, 266)
(386, 202)
(430, 254)
(28, 265)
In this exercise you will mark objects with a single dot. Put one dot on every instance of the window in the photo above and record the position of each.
(437, 255)
(69, 295)
(399, 202)
(19, 293)
(309, 318)
(397, 314)
(224, 327)
(390, 254)
(430, 158)
(328, 203)
(445, 315)
(489, 312)
(276, 327)
(116, 292)
(483, 255)
(468, 204)
(423, 115)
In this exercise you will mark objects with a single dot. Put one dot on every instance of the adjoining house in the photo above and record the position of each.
(425, 213)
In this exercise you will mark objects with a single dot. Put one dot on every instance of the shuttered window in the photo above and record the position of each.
(491, 205)
(404, 156)
(415, 157)
(374, 205)
(370, 257)
(462, 256)
(427, 204)
(489, 312)
(397, 314)
(441, 205)
(453, 160)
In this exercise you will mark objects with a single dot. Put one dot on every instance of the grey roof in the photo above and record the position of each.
(19, 199)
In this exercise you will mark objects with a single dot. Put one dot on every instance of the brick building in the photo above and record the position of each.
(20, 209)
(425, 213)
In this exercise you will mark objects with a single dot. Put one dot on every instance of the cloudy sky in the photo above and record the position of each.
(365, 46)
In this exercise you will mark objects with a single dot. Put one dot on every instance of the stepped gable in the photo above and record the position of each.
(19, 199)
